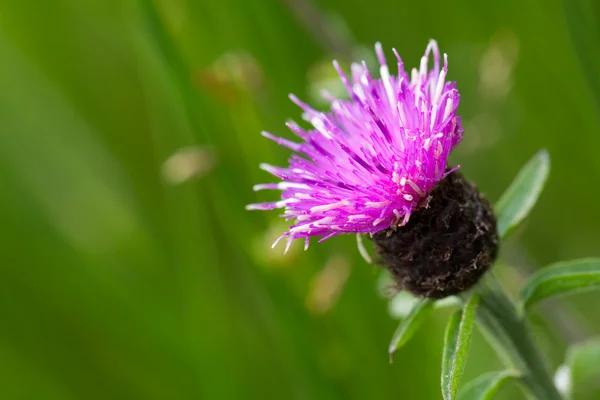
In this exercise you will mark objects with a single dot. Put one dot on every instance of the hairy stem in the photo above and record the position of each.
(510, 336)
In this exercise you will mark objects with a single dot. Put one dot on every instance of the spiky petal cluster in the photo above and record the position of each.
(372, 160)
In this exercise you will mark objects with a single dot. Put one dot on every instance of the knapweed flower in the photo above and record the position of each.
(372, 163)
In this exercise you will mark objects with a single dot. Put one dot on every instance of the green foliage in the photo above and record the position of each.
(409, 325)
(583, 19)
(583, 367)
(485, 386)
(561, 279)
(456, 346)
(129, 142)
(402, 303)
(522, 194)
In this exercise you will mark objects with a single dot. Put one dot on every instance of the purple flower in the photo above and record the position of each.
(372, 160)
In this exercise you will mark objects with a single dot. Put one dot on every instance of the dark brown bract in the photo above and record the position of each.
(446, 247)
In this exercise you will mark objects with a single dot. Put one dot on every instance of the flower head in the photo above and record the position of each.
(372, 160)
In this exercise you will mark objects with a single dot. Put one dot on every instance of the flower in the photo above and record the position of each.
(373, 159)
(445, 248)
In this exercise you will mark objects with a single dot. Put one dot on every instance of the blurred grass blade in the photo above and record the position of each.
(409, 325)
(520, 197)
(456, 345)
(560, 279)
(485, 386)
(584, 26)
(180, 74)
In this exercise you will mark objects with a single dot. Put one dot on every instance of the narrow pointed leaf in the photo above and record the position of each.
(561, 279)
(520, 197)
(409, 325)
(485, 386)
(456, 346)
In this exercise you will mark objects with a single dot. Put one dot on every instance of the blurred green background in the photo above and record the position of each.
(129, 142)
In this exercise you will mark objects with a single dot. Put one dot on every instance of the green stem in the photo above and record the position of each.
(512, 339)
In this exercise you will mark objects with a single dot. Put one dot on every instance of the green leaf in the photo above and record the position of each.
(409, 325)
(583, 362)
(520, 197)
(456, 345)
(402, 304)
(485, 386)
(561, 279)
